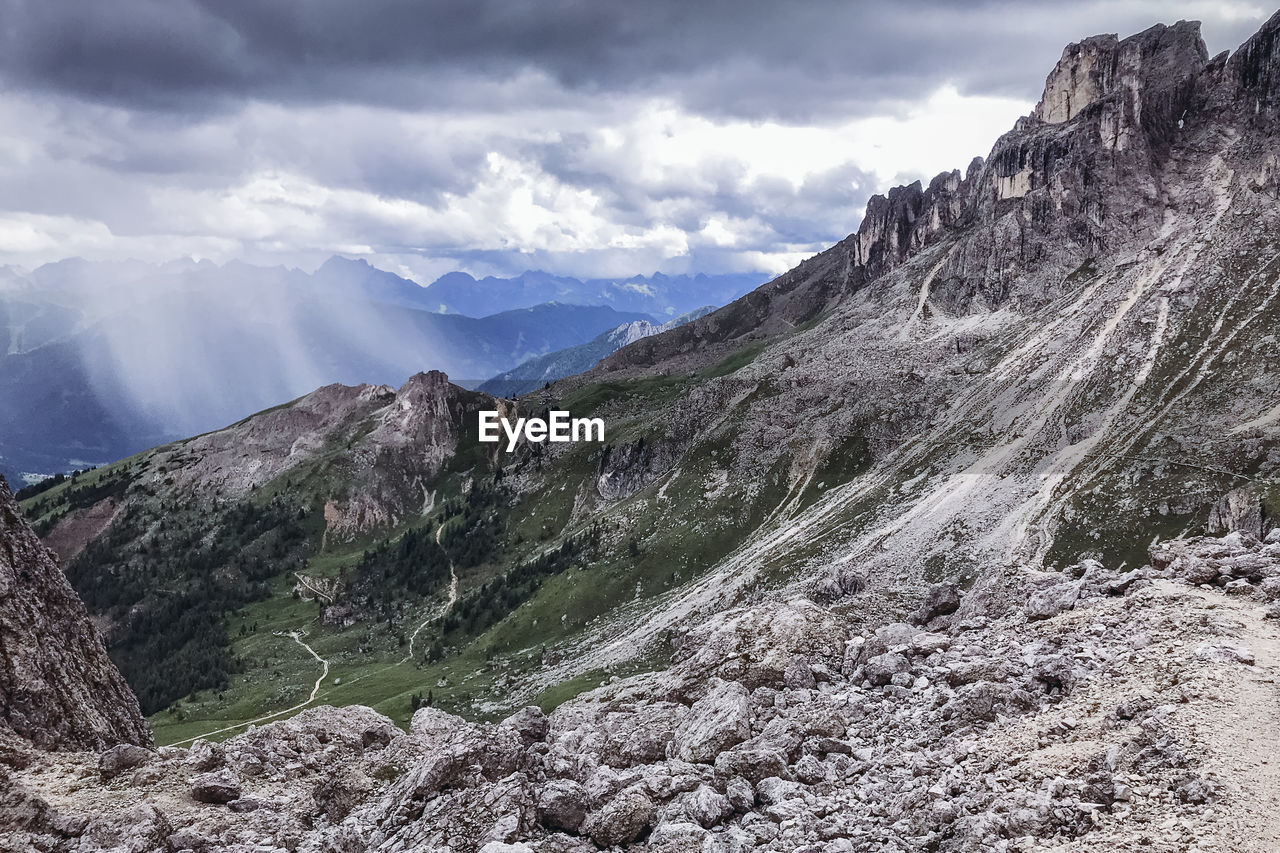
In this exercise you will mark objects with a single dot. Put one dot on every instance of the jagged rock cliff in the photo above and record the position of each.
(1083, 175)
(58, 688)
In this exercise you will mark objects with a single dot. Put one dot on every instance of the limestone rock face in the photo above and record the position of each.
(1239, 510)
(58, 688)
(1093, 69)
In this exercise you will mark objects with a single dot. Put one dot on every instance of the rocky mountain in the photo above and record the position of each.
(58, 688)
(956, 537)
(536, 372)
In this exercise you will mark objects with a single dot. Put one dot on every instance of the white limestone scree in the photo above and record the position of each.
(558, 426)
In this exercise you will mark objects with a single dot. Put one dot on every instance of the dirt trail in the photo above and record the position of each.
(302, 579)
(448, 605)
(315, 689)
(1241, 736)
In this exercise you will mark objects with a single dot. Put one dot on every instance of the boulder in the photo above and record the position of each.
(926, 643)
(433, 724)
(940, 600)
(896, 635)
(562, 804)
(1225, 653)
(741, 794)
(709, 807)
(719, 720)
(531, 724)
(122, 757)
(752, 764)
(622, 819)
(1052, 600)
(881, 668)
(677, 837)
(218, 787)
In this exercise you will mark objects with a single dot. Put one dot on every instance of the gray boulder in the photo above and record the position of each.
(1050, 601)
(622, 819)
(941, 599)
(719, 720)
(709, 807)
(122, 757)
(562, 804)
(219, 787)
(881, 668)
(530, 722)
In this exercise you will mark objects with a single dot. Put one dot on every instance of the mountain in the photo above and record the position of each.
(536, 372)
(958, 536)
(103, 359)
(660, 295)
(196, 357)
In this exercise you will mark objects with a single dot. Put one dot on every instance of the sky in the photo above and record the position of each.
(582, 137)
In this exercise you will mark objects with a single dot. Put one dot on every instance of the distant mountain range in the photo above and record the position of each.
(100, 360)
(661, 295)
(536, 372)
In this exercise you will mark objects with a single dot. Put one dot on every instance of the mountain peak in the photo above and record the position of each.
(341, 262)
(1099, 66)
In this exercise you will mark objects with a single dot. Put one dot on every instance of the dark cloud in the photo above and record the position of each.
(581, 136)
(755, 58)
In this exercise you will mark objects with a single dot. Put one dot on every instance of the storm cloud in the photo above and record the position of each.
(591, 138)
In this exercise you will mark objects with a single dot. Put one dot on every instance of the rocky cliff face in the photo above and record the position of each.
(58, 688)
(1084, 175)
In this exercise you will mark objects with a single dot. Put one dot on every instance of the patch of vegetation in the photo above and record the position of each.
(587, 400)
(850, 457)
(735, 362)
(414, 562)
(472, 526)
(28, 492)
(168, 575)
(489, 604)
(56, 497)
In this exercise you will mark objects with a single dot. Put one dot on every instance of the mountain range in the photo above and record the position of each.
(105, 359)
(544, 369)
(961, 535)
(662, 296)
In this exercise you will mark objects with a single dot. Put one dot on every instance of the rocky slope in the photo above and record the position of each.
(1062, 350)
(1082, 710)
(58, 688)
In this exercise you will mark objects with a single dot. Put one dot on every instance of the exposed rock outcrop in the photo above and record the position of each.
(1080, 175)
(58, 688)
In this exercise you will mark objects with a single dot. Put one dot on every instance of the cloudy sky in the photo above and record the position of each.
(585, 137)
